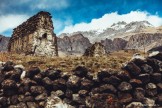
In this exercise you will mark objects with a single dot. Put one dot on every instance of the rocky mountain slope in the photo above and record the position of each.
(144, 41)
(134, 35)
(117, 30)
(114, 45)
(3, 43)
(74, 44)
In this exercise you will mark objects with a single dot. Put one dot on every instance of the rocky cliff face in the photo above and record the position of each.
(114, 45)
(144, 41)
(74, 44)
(3, 43)
(78, 44)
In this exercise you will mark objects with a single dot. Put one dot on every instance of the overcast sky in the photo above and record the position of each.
(79, 15)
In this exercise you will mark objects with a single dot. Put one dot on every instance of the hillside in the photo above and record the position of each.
(3, 43)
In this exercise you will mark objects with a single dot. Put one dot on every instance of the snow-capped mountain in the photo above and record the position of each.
(116, 30)
(118, 25)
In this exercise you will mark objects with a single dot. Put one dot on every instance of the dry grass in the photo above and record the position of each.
(67, 64)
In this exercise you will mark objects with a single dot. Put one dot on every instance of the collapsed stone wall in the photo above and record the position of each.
(97, 49)
(137, 85)
(35, 36)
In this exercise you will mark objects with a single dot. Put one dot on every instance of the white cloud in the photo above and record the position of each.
(8, 22)
(108, 19)
(59, 24)
(46, 4)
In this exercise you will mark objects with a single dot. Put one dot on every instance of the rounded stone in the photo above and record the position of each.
(125, 86)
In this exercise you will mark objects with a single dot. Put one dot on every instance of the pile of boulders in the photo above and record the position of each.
(137, 85)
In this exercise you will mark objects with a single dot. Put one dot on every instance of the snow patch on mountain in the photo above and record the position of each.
(116, 30)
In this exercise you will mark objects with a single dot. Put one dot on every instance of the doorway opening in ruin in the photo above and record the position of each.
(44, 36)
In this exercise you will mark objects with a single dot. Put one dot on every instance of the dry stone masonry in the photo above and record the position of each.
(35, 36)
(137, 85)
(97, 49)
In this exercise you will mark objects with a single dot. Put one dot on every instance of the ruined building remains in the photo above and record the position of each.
(35, 36)
(97, 49)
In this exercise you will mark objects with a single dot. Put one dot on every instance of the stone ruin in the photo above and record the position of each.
(97, 49)
(35, 36)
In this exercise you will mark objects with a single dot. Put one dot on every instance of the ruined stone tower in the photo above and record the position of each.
(35, 36)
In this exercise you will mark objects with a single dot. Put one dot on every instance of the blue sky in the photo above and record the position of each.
(73, 15)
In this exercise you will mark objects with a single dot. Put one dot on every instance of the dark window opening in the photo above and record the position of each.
(45, 22)
(44, 36)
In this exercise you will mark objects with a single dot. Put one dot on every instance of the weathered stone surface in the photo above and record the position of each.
(155, 64)
(32, 105)
(86, 84)
(28, 99)
(61, 84)
(56, 102)
(103, 101)
(159, 99)
(112, 80)
(3, 43)
(124, 97)
(2, 77)
(38, 78)
(138, 60)
(81, 71)
(107, 88)
(76, 43)
(9, 87)
(53, 74)
(77, 99)
(8, 66)
(151, 89)
(149, 103)
(145, 78)
(73, 82)
(157, 56)
(58, 93)
(21, 105)
(156, 77)
(41, 97)
(103, 74)
(83, 93)
(135, 105)
(69, 93)
(145, 68)
(14, 99)
(47, 82)
(95, 90)
(133, 69)
(97, 49)
(35, 36)
(135, 82)
(123, 75)
(124, 86)
(32, 71)
(143, 40)
(139, 94)
(37, 89)
(114, 45)
(159, 87)
(3, 101)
